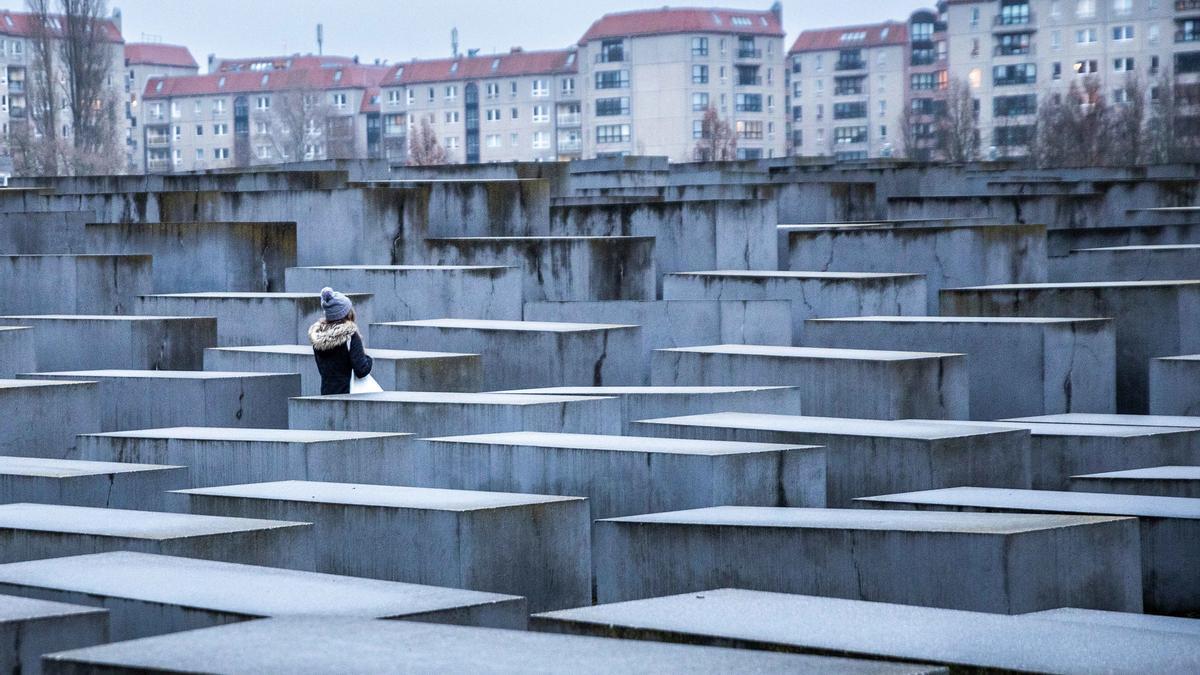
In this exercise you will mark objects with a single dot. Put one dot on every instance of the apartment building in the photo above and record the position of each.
(848, 90)
(926, 84)
(253, 116)
(519, 106)
(649, 76)
(1017, 53)
(145, 60)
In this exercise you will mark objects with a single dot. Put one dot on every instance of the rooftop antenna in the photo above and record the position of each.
(454, 42)
(320, 39)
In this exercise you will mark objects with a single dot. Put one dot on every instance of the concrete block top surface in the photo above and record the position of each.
(1150, 473)
(75, 255)
(407, 268)
(1184, 357)
(795, 274)
(102, 317)
(245, 295)
(1157, 247)
(1100, 617)
(156, 374)
(69, 468)
(248, 435)
(1080, 284)
(600, 238)
(810, 352)
(623, 391)
(6, 329)
(1114, 419)
(451, 398)
(341, 645)
(665, 446)
(860, 519)
(1047, 429)
(834, 426)
(15, 609)
(388, 496)
(250, 590)
(154, 525)
(34, 384)
(893, 631)
(1049, 501)
(958, 319)
(307, 350)
(501, 325)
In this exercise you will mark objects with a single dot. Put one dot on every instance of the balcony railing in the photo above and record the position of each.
(1013, 50)
(158, 164)
(1002, 20)
(850, 65)
(1187, 36)
(611, 56)
(18, 113)
(157, 141)
(570, 146)
(1187, 5)
(749, 53)
(750, 81)
(570, 120)
(16, 86)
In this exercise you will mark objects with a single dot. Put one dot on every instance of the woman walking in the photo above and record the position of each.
(337, 345)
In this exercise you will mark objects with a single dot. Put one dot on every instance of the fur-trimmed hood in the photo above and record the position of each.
(325, 336)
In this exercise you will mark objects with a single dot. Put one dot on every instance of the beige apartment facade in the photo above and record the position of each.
(144, 61)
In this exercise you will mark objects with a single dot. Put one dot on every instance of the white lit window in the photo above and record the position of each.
(263, 103)
(452, 142)
(451, 92)
(218, 106)
(493, 114)
(221, 153)
(1085, 9)
(541, 140)
(1122, 6)
(1085, 36)
(198, 108)
(493, 141)
(541, 114)
(540, 88)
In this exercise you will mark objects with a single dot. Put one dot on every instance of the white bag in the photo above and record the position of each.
(362, 385)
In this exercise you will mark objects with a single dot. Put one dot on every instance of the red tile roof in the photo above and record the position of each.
(292, 61)
(850, 37)
(513, 64)
(154, 54)
(243, 82)
(22, 23)
(370, 101)
(668, 20)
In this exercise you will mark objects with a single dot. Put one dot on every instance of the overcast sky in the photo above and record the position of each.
(403, 29)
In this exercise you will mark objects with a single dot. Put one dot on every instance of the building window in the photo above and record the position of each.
(697, 128)
(749, 129)
(1085, 9)
(1021, 73)
(393, 97)
(492, 90)
(1007, 136)
(1122, 6)
(199, 154)
(540, 88)
(199, 129)
(699, 46)
(432, 95)
(220, 129)
(699, 102)
(748, 76)
(611, 51)
(1013, 106)
(612, 79)
(410, 96)
(451, 92)
(612, 133)
(699, 74)
(1122, 33)
(848, 86)
(262, 103)
(568, 86)
(849, 111)
(218, 106)
(541, 140)
(608, 107)
(923, 81)
(1086, 36)
(797, 113)
(541, 114)
(493, 141)
(339, 101)
(262, 128)
(221, 153)
(1086, 67)
(451, 117)
(1056, 71)
(493, 114)
(516, 114)
(1123, 65)
(514, 139)
(747, 103)
(848, 135)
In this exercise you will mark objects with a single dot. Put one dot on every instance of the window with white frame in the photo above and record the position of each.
(568, 86)
(540, 88)
(541, 140)
(492, 90)
(175, 113)
(198, 108)
(1085, 9)
(492, 115)
(220, 153)
(493, 141)
(394, 97)
(541, 114)
(410, 96)
(262, 103)
(1086, 36)
(221, 129)
(451, 92)
(451, 117)
(218, 106)
(339, 100)
(699, 101)
(1122, 33)
(452, 142)
(1123, 65)
(262, 127)
(514, 139)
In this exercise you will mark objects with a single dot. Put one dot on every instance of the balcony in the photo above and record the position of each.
(1187, 5)
(755, 81)
(1187, 36)
(570, 146)
(1005, 20)
(1013, 50)
(569, 120)
(158, 164)
(857, 64)
(16, 113)
(16, 86)
(157, 141)
(749, 53)
(611, 56)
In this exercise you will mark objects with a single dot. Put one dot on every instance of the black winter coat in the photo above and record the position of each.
(335, 361)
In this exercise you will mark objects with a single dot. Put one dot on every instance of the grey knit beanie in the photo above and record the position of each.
(336, 305)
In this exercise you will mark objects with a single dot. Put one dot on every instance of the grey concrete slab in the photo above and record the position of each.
(523, 354)
(1175, 385)
(24, 406)
(1141, 622)
(221, 456)
(811, 294)
(33, 531)
(1151, 318)
(639, 403)
(863, 455)
(1170, 529)
(393, 369)
(17, 343)
(834, 382)
(147, 594)
(440, 414)
(1001, 563)
(1181, 421)
(955, 639)
(1160, 481)
(1128, 263)
(536, 546)
(148, 399)
(1033, 365)
(73, 284)
(117, 485)
(409, 292)
(245, 318)
(559, 268)
(356, 646)
(83, 342)
(30, 628)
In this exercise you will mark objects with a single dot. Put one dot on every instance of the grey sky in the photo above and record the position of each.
(404, 29)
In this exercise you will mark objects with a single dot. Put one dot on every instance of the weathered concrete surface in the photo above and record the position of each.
(955, 639)
(236, 256)
(85, 342)
(393, 369)
(30, 628)
(1160, 481)
(149, 594)
(33, 531)
(335, 644)
(73, 284)
(425, 414)
(966, 254)
(1128, 263)
(255, 318)
(1097, 619)
(1175, 385)
(117, 485)
(680, 323)
(1151, 318)
(1000, 563)
(524, 354)
(536, 546)
(150, 399)
(1039, 365)
(1170, 530)
(34, 233)
(832, 382)
(219, 456)
(24, 406)
(638, 403)
(1184, 421)
(409, 292)
(862, 456)
(811, 294)
(560, 268)
(17, 344)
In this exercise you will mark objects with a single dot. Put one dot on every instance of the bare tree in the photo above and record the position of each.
(87, 57)
(909, 144)
(36, 149)
(1074, 130)
(718, 141)
(1127, 124)
(423, 146)
(957, 124)
(1163, 144)
(294, 125)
